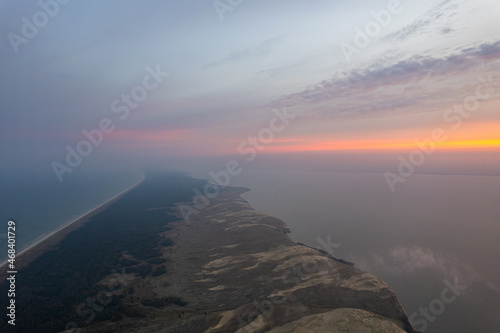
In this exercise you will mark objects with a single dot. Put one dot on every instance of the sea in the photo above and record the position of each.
(40, 204)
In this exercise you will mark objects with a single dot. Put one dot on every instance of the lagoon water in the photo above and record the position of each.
(434, 228)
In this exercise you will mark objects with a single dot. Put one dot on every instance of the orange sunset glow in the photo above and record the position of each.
(361, 145)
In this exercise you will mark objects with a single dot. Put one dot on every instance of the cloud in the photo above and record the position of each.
(410, 260)
(489, 50)
(435, 19)
(415, 258)
(382, 86)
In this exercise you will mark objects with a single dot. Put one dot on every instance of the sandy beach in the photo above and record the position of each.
(49, 241)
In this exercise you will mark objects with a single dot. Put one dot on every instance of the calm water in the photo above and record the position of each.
(433, 228)
(41, 204)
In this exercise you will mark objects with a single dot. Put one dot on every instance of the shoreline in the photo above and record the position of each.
(47, 242)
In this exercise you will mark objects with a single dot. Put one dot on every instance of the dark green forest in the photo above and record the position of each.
(51, 290)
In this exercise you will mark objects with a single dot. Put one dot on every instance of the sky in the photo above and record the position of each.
(126, 80)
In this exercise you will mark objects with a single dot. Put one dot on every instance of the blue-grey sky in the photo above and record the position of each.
(223, 66)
